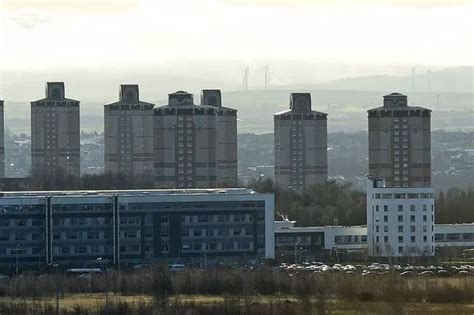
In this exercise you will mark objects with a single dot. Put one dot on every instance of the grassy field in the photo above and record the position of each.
(236, 291)
(93, 303)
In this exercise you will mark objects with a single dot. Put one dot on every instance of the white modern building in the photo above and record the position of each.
(400, 221)
(317, 242)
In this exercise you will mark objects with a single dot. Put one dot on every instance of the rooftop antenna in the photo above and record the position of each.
(266, 77)
(413, 85)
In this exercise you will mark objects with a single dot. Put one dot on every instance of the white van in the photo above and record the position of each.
(176, 267)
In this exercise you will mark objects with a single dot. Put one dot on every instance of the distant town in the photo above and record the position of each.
(182, 162)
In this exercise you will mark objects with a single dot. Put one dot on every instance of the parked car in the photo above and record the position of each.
(4, 277)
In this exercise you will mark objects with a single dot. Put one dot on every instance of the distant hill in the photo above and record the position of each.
(346, 100)
(452, 80)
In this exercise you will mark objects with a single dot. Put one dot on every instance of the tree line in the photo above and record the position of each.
(340, 203)
(323, 204)
(455, 206)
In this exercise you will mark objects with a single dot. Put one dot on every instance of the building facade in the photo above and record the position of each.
(194, 227)
(2, 140)
(185, 144)
(128, 134)
(400, 221)
(226, 139)
(400, 143)
(319, 243)
(55, 134)
(350, 243)
(300, 145)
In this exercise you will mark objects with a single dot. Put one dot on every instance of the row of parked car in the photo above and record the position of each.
(382, 269)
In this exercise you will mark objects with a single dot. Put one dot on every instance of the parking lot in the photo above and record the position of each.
(382, 269)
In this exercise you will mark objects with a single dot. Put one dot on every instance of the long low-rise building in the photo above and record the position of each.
(320, 242)
(195, 227)
(454, 235)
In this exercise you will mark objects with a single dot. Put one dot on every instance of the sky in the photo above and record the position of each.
(46, 34)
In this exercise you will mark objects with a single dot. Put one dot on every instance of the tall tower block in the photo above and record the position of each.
(2, 141)
(400, 143)
(128, 134)
(300, 145)
(55, 133)
(226, 138)
(184, 143)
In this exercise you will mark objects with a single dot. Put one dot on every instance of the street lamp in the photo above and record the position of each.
(55, 267)
(205, 256)
(17, 252)
(104, 262)
(296, 247)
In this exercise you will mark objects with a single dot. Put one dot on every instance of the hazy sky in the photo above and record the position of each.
(38, 34)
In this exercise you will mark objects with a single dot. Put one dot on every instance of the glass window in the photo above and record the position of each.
(453, 236)
(467, 236)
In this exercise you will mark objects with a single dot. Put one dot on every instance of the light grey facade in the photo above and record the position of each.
(226, 139)
(184, 143)
(322, 243)
(2, 140)
(194, 227)
(55, 133)
(300, 145)
(128, 134)
(400, 143)
(400, 221)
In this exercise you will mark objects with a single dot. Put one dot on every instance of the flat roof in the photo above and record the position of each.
(132, 192)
